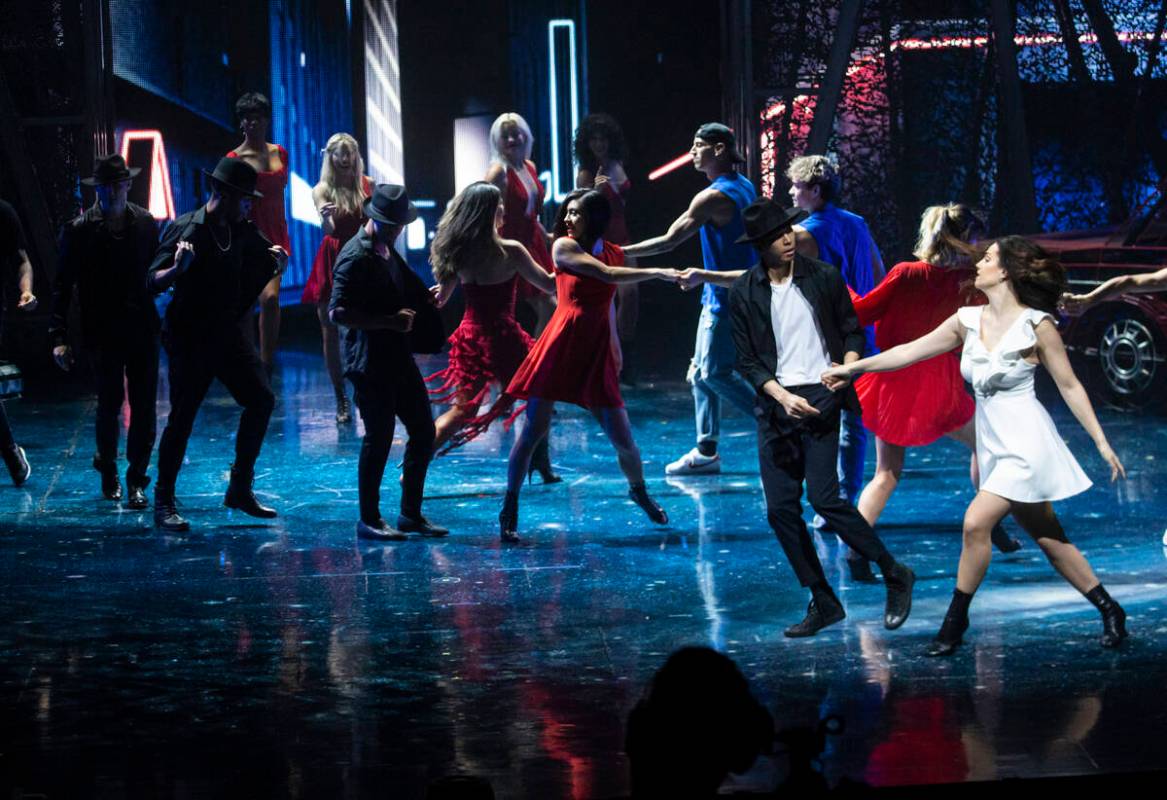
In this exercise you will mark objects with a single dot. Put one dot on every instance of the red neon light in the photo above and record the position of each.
(665, 169)
(161, 203)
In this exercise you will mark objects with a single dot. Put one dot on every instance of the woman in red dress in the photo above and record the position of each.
(339, 196)
(574, 361)
(488, 345)
(919, 404)
(271, 162)
(515, 175)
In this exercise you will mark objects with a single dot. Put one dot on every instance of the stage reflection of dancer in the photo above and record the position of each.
(270, 161)
(1024, 464)
(14, 252)
(217, 263)
(342, 190)
(792, 318)
(715, 212)
(387, 315)
(574, 361)
(918, 405)
(488, 345)
(599, 155)
(515, 175)
(105, 255)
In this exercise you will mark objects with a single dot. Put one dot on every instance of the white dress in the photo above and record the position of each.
(1019, 452)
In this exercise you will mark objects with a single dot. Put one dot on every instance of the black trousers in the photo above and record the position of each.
(234, 361)
(127, 367)
(6, 440)
(401, 394)
(792, 451)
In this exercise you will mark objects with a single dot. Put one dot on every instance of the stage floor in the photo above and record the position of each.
(291, 660)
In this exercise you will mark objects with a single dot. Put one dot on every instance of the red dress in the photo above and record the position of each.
(318, 288)
(267, 212)
(919, 404)
(487, 346)
(617, 232)
(573, 360)
(524, 228)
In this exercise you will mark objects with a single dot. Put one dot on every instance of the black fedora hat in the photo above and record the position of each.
(763, 218)
(110, 169)
(390, 204)
(237, 175)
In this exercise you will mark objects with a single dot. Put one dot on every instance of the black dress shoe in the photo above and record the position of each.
(111, 485)
(860, 569)
(818, 616)
(419, 524)
(379, 531)
(638, 493)
(17, 464)
(508, 519)
(240, 497)
(137, 498)
(1003, 541)
(899, 582)
(166, 516)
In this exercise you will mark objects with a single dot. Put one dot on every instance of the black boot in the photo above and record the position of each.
(17, 464)
(639, 495)
(541, 463)
(899, 581)
(166, 516)
(1113, 617)
(860, 569)
(240, 497)
(508, 518)
(824, 609)
(111, 485)
(951, 634)
(1003, 541)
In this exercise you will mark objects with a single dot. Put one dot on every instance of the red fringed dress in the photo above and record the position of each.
(917, 405)
(318, 288)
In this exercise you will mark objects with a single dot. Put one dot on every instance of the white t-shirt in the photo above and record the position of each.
(802, 351)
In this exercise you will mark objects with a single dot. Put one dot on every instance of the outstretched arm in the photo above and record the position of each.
(944, 338)
(692, 278)
(700, 211)
(1052, 353)
(528, 269)
(570, 256)
(1120, 284)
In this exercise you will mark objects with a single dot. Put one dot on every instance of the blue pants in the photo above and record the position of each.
(713, 378)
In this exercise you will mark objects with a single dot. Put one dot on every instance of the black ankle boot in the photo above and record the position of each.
(1003, 541)
(240, 497)
(1113, 617)
(639, 495)
(508, 518)
(166, 516)
(111, 485)
(824, 609)
(951, 634)
(541, 463)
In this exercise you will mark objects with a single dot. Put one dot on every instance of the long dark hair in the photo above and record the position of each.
(1037, 276)
(597, 211)
(465, 234)
(604, 125)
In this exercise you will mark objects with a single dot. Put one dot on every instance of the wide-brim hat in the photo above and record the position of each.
(389, 203)
(110, 169)
(763, 218)
(237, 175)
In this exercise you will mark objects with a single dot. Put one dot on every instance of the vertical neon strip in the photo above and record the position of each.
(556, 173)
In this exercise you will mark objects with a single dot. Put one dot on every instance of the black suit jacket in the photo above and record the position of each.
(749, 308)
(363, 280)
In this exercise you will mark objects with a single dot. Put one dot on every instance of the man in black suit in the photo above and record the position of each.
(387, 315)
(792, 318)
(217, 262)
(104, 254)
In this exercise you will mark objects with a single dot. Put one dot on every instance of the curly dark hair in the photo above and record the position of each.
(591, 125)
(1037, 276)
(252, 103)
(597, 212)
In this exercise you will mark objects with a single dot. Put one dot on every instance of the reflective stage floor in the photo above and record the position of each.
(291, 660)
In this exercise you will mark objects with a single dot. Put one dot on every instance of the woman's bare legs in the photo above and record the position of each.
(889, 465)
(538, 422)
(1041, 523)
(615, 423)
(269, 322)
(330, 344)
(985, 511)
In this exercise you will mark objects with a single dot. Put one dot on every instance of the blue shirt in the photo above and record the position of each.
(844, 241)
(718, 250)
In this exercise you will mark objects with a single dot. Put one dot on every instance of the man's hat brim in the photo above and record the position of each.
(371, 212)
(93, 180)
(233, 187)
(790, 220)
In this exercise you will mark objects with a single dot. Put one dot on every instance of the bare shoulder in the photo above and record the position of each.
(496, 174)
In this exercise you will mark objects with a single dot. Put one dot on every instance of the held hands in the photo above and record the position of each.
(837, 377)
(691, 278)
(1116, 469)
(63, 356)
(666, 274)
(281, 257)
(402, 321)
(26, 302)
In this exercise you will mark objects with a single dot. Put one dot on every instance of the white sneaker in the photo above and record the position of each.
(693, 463)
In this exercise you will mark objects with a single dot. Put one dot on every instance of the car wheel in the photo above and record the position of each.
(1132, 358)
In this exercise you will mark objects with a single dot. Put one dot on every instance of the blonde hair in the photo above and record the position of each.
(947, 233)
(348, 198)
(816, 171)
(509, 118)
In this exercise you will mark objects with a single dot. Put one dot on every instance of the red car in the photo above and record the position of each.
(1119, 346)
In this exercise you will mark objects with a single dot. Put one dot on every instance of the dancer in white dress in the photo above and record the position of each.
(1024, 464)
